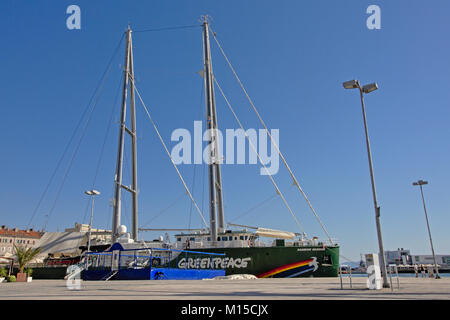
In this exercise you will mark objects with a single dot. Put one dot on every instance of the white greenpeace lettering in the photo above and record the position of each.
(216, 263)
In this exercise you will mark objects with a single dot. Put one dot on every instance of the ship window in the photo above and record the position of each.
(241, 237)
(235, 238)
(224, 238)
(192, 239)
(230, 238)
(179, 239)
(246, 237)
(218, 238)
(209, 238)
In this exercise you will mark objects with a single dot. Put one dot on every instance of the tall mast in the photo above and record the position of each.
(128, 74)
(215, 180)
(134, 190)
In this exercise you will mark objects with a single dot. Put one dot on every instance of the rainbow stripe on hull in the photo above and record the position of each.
(292, 269)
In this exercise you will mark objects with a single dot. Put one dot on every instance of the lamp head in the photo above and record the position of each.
(370, 87)
(92, 192)
(352, 84)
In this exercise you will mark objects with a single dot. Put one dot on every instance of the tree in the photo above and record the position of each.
(24, 256)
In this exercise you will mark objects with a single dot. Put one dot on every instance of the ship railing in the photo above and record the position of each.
(320, 243)
(157, 258)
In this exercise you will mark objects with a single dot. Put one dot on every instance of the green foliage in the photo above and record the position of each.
(24, 256)
(11, 279)
(3, 273)
(29, 271)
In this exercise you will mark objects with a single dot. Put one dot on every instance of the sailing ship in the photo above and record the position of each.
(243, 252)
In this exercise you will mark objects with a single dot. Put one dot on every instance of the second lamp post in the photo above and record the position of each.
(91, 193)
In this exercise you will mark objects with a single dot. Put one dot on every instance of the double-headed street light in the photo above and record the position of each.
(91, 193)
(353, 84)
(420, 183)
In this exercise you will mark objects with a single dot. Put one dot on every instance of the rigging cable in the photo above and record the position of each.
(256, 206)
(168, 28)
(259, 157)
(164, 210)
(273, 142)
(83, 133)
(102, 149)
(99, 84)
(168, 153)
(195, 167)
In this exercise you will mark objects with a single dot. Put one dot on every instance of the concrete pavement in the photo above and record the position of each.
(259, 289)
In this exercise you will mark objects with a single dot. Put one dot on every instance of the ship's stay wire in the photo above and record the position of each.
(168, 28)
(258, 205)
(98, 88)
(164, 210)
(259, 157)
(102, 149)
(167, 151)
(295, 181)
(195, 167)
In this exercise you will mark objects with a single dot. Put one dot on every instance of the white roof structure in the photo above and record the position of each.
(67, 243)
(264, 232)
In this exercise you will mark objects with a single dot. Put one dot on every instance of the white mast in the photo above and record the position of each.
(215, 180)
(128, 74)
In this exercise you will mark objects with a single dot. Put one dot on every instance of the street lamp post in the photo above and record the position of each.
(420, 183)
(91, 193)
(353, 84)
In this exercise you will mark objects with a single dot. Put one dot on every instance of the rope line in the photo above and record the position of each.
(259, 158)
(296, 183)
(255, 207)
(163, 210)
(169, 28)
(97, 92)
(72, 136)
(168, 153)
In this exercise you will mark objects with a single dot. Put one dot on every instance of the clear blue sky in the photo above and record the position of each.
(292, 56)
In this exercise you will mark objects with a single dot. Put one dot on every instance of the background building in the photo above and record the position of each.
(442, 260)
(10, 237)
(399, 256)
(404, 257)
(97, 235)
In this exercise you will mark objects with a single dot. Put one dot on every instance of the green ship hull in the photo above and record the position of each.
(269, 262)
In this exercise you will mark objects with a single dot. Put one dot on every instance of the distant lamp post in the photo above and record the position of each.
(354, 84)
(420, 183)
(91, 193)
